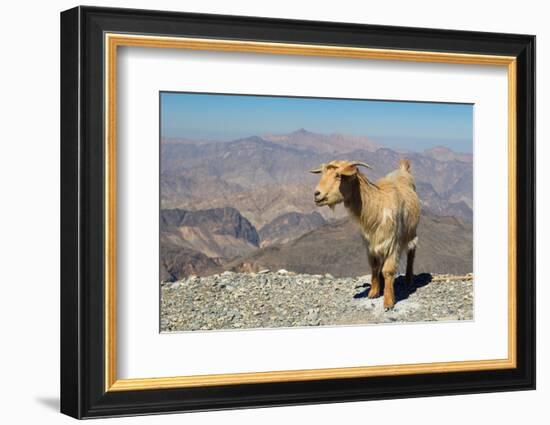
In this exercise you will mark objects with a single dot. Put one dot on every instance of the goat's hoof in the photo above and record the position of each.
(372, 294)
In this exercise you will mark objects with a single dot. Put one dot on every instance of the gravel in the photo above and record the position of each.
(272, 299)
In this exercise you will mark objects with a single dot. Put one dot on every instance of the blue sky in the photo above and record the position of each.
(412, 126)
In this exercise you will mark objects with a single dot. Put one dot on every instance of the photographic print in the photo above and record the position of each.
(298, 211)
(274, 181)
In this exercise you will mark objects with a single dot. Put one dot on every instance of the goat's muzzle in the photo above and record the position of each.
(319, 198)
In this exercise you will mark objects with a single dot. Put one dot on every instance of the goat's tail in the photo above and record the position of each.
(405, 165)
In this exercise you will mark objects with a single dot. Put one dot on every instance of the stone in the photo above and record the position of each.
(271, 300)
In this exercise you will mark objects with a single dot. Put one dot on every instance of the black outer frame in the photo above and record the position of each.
(82, 219)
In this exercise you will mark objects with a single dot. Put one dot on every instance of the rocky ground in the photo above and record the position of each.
(284, 299)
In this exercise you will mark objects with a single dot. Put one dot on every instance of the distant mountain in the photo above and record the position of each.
(445, 246)
(321, 143)
(443, 153)
(240, 165)
(264, 204)
(210, 241)
(442, 175)
(289, 226)
(186, 141)
(217, 233)
(193, 242)
(248, 203)
(462, 191)
(263, 179)
(433, 202)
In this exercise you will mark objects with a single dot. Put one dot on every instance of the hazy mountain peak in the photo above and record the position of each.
(438, 149)
(256, 139)
(301, 133)
(444, 153)
(323, 143)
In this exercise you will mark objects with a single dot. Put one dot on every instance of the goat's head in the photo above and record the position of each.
(337, 178)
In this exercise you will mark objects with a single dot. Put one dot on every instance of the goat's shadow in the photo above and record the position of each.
(401, 288)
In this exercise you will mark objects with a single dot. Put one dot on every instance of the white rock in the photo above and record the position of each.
(264, 271)
(282, 272)
(227, 273)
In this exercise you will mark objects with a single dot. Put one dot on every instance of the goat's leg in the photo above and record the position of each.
(388, 272)
(374, 291)
(409, 276)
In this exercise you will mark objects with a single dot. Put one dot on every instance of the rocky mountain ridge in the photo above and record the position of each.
(245, 173)
(306, 243)
(247, 204)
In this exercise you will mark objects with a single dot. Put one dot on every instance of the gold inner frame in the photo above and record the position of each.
(113, 41)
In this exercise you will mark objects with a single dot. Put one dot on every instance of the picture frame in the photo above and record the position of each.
(90, 40)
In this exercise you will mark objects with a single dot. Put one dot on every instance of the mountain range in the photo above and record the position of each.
(248, 203)
(303, 243)
(252, 174)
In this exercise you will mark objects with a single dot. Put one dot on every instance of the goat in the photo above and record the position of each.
(387, 212)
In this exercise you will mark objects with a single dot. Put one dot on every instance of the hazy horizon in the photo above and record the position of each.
(402, 125)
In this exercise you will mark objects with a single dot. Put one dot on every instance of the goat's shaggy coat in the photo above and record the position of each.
(387, 212)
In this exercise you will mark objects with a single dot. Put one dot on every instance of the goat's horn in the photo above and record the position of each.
(317, 170)
(362, 164)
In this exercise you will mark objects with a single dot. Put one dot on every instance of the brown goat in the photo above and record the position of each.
(387, 212)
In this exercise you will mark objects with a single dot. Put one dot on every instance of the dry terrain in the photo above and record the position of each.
(284, 299)
(232, 209)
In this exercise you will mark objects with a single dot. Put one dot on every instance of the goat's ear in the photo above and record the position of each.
(348, 170)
